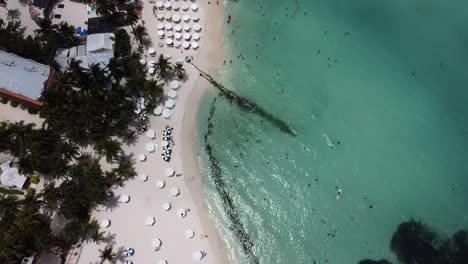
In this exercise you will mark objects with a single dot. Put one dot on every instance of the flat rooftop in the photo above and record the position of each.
(22, 76)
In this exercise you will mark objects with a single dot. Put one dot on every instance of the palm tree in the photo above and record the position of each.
(179, 70)
(153, 88)
(3, 3)
(140, 33)
(108, 254)
(104, 7)
(131, 18)
(109, 148)
(163, 66)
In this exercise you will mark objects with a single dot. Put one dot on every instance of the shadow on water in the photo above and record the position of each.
(247, 105)
(415, 242)
(216, 175)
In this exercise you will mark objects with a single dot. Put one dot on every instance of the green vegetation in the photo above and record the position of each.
(3, 100)
(34, 179)
(140, 34)
(10, 191)
(14, 104)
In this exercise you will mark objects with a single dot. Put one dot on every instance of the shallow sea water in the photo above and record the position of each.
(376, 91)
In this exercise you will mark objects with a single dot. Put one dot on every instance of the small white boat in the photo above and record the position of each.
(338, 195)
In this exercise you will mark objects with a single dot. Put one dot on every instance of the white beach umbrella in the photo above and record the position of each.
(176, 18)
(197, 255)
(156, 243)
(177, 36)
(172, 94)
(151, 133)
(168, 17)
(167, 5)
(143, 177)
(160, 4)
(105, 223)
(177, 44)
(160, 17)
(169, 103)
(187, 36)
(196, 36)
(167, 113)
(175, 84)
(175, 191)
(124, 198)
(141, 157)
(186, 45)
(165, 143)
(150, 147)
(178, 28)
(196, 19)
(175, 7)
(196, 27)
(137, 110)
(158, 110)
(168, 26)
(189, 233)
(151, 70)
(169, 41)
(187, 27)
(194, 7)
(149, 221)
(162, 261)
(195, 45)
(181, 212)
(186, 18)
(169, 172)
(160, 184)
(170, 34)
(184, 7)
(160, 26)
(142, 62)
(151, 51)
(151, 63)
(166, 206)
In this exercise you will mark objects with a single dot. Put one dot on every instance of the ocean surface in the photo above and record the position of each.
(377, 92)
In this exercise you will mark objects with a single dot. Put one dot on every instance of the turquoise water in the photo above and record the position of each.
(376, 91)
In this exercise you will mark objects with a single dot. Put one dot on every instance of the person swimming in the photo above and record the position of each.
(338, 195)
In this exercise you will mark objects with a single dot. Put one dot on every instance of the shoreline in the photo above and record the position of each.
(210, 59)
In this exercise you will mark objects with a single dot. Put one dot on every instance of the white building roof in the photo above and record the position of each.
(22, 76)
(98, 42)
(11, 177)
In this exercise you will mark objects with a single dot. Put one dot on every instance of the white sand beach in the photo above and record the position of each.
(127, 220)
(25, 17)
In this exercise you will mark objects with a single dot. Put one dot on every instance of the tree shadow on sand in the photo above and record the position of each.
(415, 242)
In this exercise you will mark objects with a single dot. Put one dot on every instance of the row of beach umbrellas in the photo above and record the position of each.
(168, 5)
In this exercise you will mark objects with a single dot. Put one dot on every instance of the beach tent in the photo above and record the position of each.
(196, 36)
(169, 41)
(166, 206)
(158, 110)
(187, 36)
(197, 255)
(187, 27)
(172, 94)
(186, 45)
(156, 243)
(159, 4)
(141, 157)
(160, 184)
(178, 36)
(176, 18)
(124, 198)
(167, 5)
(105, 223)
(175, 191)
(186, 18)
(160, 26)
(169, 172)
(175, 84)
(150, 147)
(143, 177)
(189, 233)
(196, 27)
(149, 221)
(167, 113)
(178, 28)
(181, 212)
(195, 45)
(151, 134)
(194, 7)
(184, 7)
(169, 103)
(168, 26)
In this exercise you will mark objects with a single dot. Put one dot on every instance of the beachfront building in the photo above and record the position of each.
(98, 50)
(23, 80)
(41, 9)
